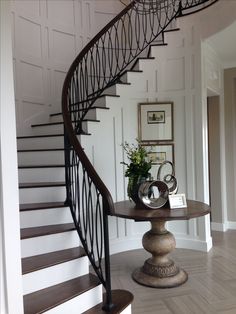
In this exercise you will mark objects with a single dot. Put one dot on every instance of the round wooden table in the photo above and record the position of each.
(160, 271)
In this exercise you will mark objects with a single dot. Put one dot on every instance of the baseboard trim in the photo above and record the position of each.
(193, 244)
(118, 246)
(217, 226)
(231, 225)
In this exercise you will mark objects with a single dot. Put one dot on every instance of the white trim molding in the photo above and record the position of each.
(231, 225)
(181, 242)
(193, 244)
(217, 226)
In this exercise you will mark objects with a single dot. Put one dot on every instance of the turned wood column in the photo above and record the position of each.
(159, 271)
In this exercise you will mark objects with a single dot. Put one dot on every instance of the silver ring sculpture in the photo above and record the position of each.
(165, 184)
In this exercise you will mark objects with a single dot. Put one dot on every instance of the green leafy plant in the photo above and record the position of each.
(139, 166)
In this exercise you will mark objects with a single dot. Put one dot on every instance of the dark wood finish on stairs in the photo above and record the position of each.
(41, 166)
(33, 232)
(40, 150)
(172, 30)
(94, 107)
(34, 263)
(35, 136)
(59, 123)
(36, 206)
(45, 299)
(123, 83)
(30, 185)
(134, 71)
(158, 45)
(121, 299)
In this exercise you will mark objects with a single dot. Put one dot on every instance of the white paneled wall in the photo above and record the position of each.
(47, 35)
(173, 76)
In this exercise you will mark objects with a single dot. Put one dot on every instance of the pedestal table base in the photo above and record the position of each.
(159, 271)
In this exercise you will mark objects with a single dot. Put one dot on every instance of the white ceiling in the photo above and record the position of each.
(224, 43)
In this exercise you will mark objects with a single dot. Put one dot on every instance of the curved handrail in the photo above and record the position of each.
(100, 65)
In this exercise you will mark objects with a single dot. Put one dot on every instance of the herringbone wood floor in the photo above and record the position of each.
(211, 287)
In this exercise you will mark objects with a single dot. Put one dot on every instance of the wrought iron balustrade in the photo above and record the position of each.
(100, 65)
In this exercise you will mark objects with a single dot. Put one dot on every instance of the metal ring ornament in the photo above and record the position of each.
(145, 194)
(169, 178)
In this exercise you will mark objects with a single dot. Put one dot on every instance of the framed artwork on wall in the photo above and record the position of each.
(155, 122)
(157, 154)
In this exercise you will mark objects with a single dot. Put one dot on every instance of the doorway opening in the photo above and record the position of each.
(214, 154)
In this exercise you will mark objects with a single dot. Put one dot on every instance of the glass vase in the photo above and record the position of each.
(133, 187)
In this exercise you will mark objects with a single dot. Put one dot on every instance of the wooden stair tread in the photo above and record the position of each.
(35, 136)
(134, 71)
(172, 30)
(34, 263)
(108, 95)
(40, 150)
(122, 83)
(29, 185)
(158, 44)
(95, 107)
(45, 299)
(146, 58)
(33, 232)
(60, 123)
(121, 299)
(40, 166)
(35, 206)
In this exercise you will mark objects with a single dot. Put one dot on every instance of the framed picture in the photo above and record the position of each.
(155, 121)
(157, 154)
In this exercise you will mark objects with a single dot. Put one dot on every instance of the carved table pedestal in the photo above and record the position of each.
(159, 271)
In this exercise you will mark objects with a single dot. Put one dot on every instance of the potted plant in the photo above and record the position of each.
(137, 169)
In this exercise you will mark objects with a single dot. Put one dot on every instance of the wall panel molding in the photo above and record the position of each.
(48, 35)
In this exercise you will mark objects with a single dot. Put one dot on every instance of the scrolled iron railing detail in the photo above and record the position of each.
(100, 65)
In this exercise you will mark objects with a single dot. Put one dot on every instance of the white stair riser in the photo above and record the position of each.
(118, 89)
(44, 217)
(56, 274)
(155, 51)
(41, 175)
(57, 118)
(79, 304)
(41, 142)
(142, 64)
(49, 243)
(127, 310)
(48, 129)
(37, 195)
(101, 102)
(90, 115)
(52, 129)
(132, 77)
(41, 158)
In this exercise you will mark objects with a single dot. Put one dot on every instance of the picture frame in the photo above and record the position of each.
(155, 122)
(157, 154)
(177, 201)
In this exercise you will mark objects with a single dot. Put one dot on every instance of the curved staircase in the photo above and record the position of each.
(55, 267)
(58, 204)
